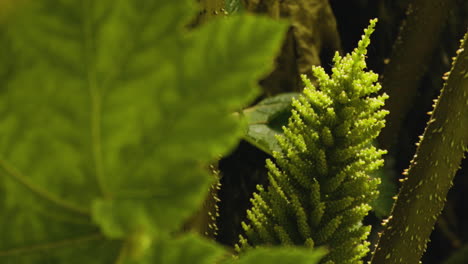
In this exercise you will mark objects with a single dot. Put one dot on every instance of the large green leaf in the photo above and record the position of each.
(195, 250)
(109, 112)
(282, 255)
(189, 249)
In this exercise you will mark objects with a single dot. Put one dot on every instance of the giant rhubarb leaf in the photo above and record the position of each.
(188, 249)
(283, 255)
(109, 111)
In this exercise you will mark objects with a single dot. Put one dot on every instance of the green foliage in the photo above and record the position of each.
(234, 6)
(283, 255)
(319, 187)
(109, 112)
(266, 119)
(186, 249)
(192, 249)
(265, 122)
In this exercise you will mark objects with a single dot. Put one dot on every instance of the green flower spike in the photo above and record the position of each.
(319, 186)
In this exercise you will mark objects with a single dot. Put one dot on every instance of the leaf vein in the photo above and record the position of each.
(41, 192)
(51, 245)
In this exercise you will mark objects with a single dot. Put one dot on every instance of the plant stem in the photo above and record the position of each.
(412, 51)
(431, 172)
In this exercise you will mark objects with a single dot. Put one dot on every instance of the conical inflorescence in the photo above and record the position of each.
(319, 184)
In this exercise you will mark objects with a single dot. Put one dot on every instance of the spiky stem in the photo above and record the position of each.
(438, 157)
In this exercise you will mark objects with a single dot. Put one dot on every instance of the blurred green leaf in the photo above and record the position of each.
(281, 255)
(109, 111)
(189, 249)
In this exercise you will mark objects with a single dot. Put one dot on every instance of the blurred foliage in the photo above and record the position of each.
(97, 118)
